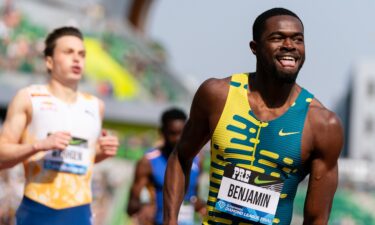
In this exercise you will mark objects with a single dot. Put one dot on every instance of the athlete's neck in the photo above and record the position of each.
(64, 93)
(272, 92)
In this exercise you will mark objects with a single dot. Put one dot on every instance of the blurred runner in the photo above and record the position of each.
(55, 130)
(149, 173)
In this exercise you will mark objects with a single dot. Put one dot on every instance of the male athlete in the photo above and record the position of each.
(267, 133)
(150, 171)
(55, 130)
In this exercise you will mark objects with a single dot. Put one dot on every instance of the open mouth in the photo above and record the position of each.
(287, 61)
(76, 69)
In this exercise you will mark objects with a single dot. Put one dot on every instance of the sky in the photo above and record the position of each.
(210, 38)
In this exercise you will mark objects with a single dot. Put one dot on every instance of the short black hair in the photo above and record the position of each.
(172, 114)
(262, 18)
(50, 42)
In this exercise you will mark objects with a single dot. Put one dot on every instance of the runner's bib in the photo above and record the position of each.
(249, 194)
(76, 158)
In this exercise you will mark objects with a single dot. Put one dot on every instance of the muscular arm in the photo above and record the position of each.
(141, 179)
(15, 123)
(196, 133)
(327, 141)
(18, 116)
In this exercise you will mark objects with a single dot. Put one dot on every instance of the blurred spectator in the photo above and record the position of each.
(10, 18)
(105, 88)
(21, 45)
(95, 14)
(149, 174)
(20, 48)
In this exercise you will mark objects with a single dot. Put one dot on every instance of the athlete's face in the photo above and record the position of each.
(68, 60)
(281, 48)
(172, 132)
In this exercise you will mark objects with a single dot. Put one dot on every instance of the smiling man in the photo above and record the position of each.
(55, 130)
(267, 134)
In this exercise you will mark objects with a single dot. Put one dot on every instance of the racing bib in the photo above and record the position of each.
(249, 194)
(76, 158)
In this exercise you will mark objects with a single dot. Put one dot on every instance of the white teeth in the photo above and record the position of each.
(287, 58)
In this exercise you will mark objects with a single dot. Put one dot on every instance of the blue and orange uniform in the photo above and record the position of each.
(269, 148)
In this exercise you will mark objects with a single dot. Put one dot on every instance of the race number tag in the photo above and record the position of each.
(186, 214)
(76, 158)
(249, 194)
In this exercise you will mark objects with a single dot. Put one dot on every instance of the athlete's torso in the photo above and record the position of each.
(61, 179)
(272, 148)
(158, 164)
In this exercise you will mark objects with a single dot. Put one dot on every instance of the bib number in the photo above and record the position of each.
(76, 158)
(249, 194)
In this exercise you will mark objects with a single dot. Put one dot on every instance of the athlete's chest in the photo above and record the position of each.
(158, 165)
(271, 146)
(50, 115)
(276, 144)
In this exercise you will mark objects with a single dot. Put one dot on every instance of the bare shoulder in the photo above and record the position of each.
(143, 166)
(321, 117)
(23, 93)
(214, 85)
(211, 91)
(21, 101)
(19, 113)
(144, 161)
(326, 128)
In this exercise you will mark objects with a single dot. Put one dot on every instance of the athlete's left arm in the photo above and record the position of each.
(107, 143)
(327, 142)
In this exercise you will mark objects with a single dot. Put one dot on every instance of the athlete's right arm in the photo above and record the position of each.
(195, 135)
(17, 118)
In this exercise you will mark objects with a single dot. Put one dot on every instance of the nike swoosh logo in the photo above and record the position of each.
(282, 133)
(258, 181)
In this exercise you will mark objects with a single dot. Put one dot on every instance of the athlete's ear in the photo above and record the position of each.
(253, 47)
(49, 62)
